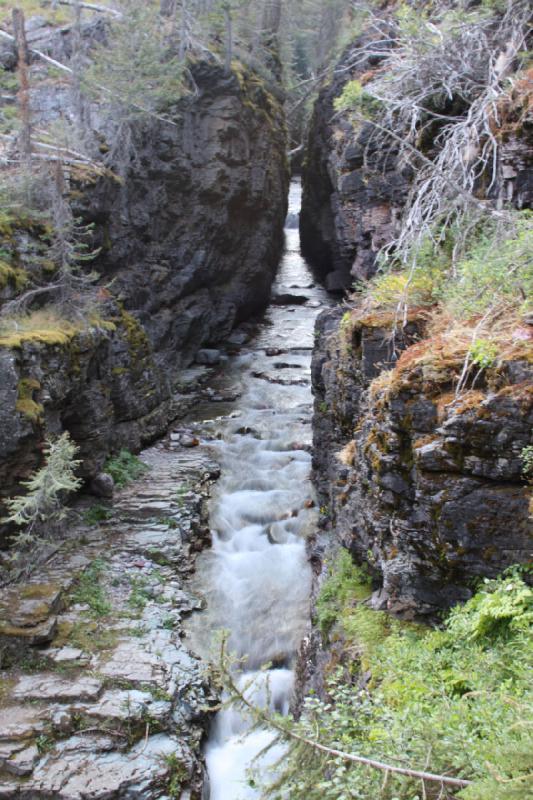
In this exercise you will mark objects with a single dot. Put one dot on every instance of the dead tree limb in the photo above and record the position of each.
(24, 84)
(263, 716)
(93, 7)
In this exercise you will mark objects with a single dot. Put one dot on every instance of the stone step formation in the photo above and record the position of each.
(102, 698)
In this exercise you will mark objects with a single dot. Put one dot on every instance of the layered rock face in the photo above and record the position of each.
(193, 237)
(100, 384)
(189, 241)
(353, 189)
(424, 487)
(101, 697)
(428, 487)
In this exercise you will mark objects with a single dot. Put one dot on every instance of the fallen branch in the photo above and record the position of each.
(91, 7)
(104, 89)
(263, 716)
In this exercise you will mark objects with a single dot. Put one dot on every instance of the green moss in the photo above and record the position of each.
(48, 337)
(135, 334)
(25, 404)
(12, 276)
(345, 585)
(96, 514)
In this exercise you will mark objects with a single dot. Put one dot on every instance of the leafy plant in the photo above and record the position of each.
(483, 353)
(354, 97)
(125, 468)
(527, 461)
(89, 590)
(496, 268)
(97, 513)
(453, 701)
(140, 594)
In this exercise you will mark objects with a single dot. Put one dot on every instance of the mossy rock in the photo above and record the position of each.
(25, 404)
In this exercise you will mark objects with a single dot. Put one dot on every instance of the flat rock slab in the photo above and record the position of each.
(66, 655)
(125, 705)
(42, 633)
(20, 722)
(30, 604)
(44, 686)
(22, 762)
(86, 768)
(130, 661)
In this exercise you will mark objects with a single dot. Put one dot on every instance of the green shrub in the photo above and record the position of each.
(354, 97)
(90, 592)
(125, 468)
(527, 461)
(96, 514)
(455, 701)
(496, 268)
(483, 353)
(465, 275)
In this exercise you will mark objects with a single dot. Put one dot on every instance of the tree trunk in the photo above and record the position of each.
(184, 32)
(271, 19)
(229, 36)
(24, 85)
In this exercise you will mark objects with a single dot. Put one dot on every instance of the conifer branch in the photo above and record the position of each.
(262, 715)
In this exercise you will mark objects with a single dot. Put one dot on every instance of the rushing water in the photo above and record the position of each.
(256, 578)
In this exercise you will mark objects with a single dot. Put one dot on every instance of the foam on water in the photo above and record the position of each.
(256, 577)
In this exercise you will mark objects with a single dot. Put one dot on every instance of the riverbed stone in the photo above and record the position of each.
(103, 485)
(211, 357)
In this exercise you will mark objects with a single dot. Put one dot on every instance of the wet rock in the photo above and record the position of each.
(292, 220)
(187, 440)
(246, 430)
(336, 282)
(103, 485)
(288, 299)
(208, 357)
(237, 338)
(274, 351)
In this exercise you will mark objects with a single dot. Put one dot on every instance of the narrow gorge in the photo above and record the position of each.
(266, 400)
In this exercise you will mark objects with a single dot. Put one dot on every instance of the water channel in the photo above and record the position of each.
(256, 579)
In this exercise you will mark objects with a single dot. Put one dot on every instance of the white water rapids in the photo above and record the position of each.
(256, 578)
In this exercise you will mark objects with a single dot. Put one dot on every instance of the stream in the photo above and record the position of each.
(255, 580)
